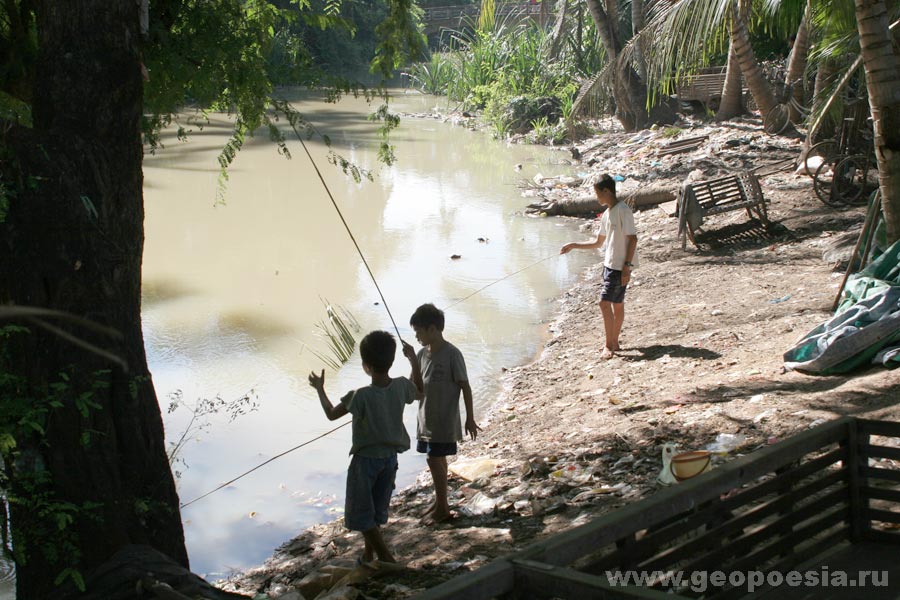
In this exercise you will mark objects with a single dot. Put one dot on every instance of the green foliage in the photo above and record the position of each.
(543, 132)
(488, 69)
(671, 132)
(435, 76)
(339, 330)
(400, 38)
(47, 523)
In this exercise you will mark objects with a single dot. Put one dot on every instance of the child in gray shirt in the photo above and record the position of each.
(444, 375)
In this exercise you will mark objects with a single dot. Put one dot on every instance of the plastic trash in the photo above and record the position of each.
(665, 476)
(479, 504)
(726, 442)
(571, 473)
(474, 468)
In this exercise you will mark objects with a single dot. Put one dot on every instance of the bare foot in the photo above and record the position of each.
(438, 517)
(607, 354)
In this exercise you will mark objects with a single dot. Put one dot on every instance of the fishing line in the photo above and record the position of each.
(481, 289)
(277, 456)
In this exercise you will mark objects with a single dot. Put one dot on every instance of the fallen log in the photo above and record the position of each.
(580, 206)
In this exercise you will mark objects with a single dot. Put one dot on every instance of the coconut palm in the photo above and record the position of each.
(629, 91)
(882, 64)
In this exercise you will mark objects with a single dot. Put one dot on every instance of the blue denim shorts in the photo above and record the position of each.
(613, 290)
(370, 482)
(436, 449)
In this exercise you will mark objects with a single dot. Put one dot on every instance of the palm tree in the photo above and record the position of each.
(687, 32)
(882, 65)
(629, 91)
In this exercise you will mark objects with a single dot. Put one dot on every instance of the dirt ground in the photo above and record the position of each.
(574, 437)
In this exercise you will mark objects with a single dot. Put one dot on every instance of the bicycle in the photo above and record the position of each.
(779, 118)
(848, 171)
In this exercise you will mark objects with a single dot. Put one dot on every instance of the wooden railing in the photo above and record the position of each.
(768, 511)
(456, 12)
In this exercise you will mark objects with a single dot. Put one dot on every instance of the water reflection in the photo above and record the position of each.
(233, 293)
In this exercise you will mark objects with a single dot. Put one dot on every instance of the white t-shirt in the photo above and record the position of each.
(617, 223)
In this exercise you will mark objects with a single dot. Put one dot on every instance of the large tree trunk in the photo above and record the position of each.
(732, 103)
(883, 82)
(797, 65)
(75, 228)
(760, 88)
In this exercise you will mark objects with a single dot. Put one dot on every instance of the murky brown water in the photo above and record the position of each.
(232, 294)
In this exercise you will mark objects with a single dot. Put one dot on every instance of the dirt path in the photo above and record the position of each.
(574, 437)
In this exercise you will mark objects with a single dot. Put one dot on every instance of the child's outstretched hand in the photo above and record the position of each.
(472, 428)
(565, 249)
(317, 381)
(409, 352)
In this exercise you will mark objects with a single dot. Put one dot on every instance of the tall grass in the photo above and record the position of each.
(489, 62)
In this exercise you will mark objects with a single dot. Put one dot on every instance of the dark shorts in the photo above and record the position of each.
(370, 482)
(436, 449)
(613, 290)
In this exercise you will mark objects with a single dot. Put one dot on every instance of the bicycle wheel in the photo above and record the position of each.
(777, 119)
(817, 154)
(854, 179)
(823, 180)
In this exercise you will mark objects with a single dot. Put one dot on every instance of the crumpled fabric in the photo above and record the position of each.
(865, 329)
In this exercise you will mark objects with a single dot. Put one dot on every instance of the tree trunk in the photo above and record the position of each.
(882, 66)
(732, 103)
(637, 23)
(558, 34)
(629, 91)
(75, 226)
(760, 88)
(797, 65)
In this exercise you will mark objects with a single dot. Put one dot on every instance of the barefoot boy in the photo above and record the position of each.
(618, 237)
(378, 435)
(444, 375)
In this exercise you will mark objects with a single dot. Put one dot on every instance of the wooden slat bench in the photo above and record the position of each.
(780, 509)
(705, 86)
(701, 199)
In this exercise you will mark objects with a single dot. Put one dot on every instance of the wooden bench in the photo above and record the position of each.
(701, 199)
(702, 87)
(705, 86)
(787, 507)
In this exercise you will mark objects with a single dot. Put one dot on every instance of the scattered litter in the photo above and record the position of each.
(726, 442)
(479, 504)
(780, 300)
(475, 468)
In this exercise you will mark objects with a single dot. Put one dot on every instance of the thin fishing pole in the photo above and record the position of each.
(277, 456)
(350, 233)
(481, 289)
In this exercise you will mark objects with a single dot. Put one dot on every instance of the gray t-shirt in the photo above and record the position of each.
(442, 373)
(378, 430)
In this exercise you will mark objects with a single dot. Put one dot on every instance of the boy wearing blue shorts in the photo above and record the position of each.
(443, 370)
(618, 237)
(378, 435)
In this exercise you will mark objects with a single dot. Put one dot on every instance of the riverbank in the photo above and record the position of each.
(572, 436)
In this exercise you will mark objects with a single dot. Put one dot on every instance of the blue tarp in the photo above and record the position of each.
(865, 328)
